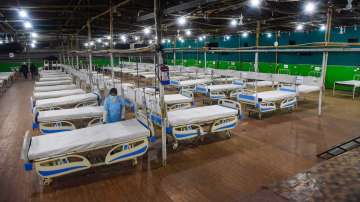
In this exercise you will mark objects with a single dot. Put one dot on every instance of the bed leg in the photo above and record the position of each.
(228, 134)
(134, 162)
(175, 145)
(45, 181)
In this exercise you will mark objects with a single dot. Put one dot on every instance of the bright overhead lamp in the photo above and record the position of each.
(146, 30)
(99, 40)
(34, 35)
(163, 40)
(322, 27)
(108, 37)
(150, 41)
(299, 27)
(245, 34)
(86, 44)
(200, 38)
(188, 32)
(34, 41)
(233, 23)
(309, 7)
(23, 13)
(27, 25)
(136, 38)
(181, 20)
(255, 3)
(91, 43)
(123, 38)
(269, 35)
(1, 42)
(226, 37)
(33, 45)
(106, 43)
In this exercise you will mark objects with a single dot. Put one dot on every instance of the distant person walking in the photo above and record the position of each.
(33, 71)
(24, 70)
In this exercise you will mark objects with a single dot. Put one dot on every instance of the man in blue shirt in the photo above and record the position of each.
(112, 107)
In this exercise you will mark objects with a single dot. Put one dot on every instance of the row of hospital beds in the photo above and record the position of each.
(6, 79)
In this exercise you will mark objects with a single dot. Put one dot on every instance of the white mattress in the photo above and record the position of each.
(55, 94)
(54, 88)
(355, 83)
(67, 100)
(274, 95)
(70, 114)
(307, 89)
(53, 83)
(176, 99)
(57, 78)
(85, 139)
(199, 114)
(223, 87)
(261, 83)
(193, 82)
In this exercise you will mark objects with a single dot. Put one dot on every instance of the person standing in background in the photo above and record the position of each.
(112, 107)
(24, 70)
(33, 71)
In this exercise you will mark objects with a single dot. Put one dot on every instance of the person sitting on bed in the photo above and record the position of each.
(112, 107)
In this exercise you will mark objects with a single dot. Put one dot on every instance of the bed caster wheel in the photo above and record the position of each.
(134, 162)
(228, 134)
(46, 181)
(175, 146)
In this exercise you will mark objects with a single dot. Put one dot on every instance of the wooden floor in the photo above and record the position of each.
(260, 153)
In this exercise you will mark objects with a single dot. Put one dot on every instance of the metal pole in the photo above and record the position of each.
(174, 51)
(205, 58)
(157, 13)
(89, 49)
(77, 61)
(325, 57)
(256, 65)
(111, 41)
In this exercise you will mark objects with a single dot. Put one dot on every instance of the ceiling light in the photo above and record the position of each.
(106, 43)
(322, 27)
(226, 37)
(91, 43)
(299, 27)
(34, 35)
(169, 41)
(1, 42)
(33, 45)
(123, 38)
(146, 30)
(181, 20)
(108, 37)
(136, 38)
(245, 34)
(34, 41)
(99, 40)
(200, 38)
(188, 32)
(23, 13)
(86, 44)
(150, 41)
(255, 3)
(27, 25)
(269, 35)
(233, 23)
(309, 7)
(163, 40)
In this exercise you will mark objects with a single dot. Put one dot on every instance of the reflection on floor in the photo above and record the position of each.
(337, 179)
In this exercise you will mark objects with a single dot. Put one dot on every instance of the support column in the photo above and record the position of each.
(256, 64)
(325, 57)
(111, 42)
(159, 61)
(89, 47)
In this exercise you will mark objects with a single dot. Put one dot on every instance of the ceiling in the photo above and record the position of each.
(59, 20)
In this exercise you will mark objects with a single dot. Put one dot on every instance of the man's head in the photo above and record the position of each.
(113, 92)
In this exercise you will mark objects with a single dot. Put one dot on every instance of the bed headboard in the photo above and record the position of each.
(200, 88)
(229, 103)
(187, 93)
(145, 121)
(26, 146)
(247, 96)
(288, 88)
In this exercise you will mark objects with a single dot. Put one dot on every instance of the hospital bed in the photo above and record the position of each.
(354, 84)
(54, 88)
(219, 91)
(261, 84)
(53, 83)
(7, 78)
(189, 84)
(73, 101)
(56, 94)
(57, 78)
(53, 121)
(268, 101)
(67, 152)
(185, 124)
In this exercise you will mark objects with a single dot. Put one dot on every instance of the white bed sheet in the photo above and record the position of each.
(85, 139)
(274, 95)
(55, 94)
(176, 99)
(53, 83)
(70, 114)
(223, 87)
(355, 83)
(55, 78)
(303, 89)
(54, 88)
(66, 100)
(193, 82)
(261, 83)
(199, 114)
